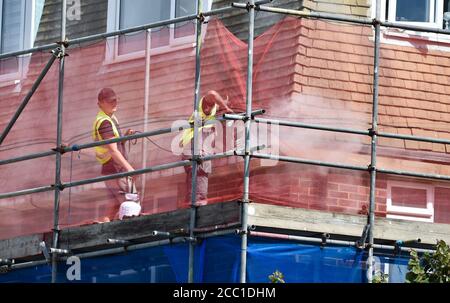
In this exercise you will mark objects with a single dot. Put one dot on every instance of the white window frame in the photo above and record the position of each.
(27, 40)
(410, 213)
(113, 22)
(400, 37)
(436, 13)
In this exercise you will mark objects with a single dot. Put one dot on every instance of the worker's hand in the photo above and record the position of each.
(135, 177)
(130, 132)
(228, 110)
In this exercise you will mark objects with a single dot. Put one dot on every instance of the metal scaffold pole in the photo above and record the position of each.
(55, 54)
(373, 132)
(195, 149)
(248, 112)
(59, 148)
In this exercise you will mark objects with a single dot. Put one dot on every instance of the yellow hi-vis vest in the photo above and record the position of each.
(102, 152)
(188, 134)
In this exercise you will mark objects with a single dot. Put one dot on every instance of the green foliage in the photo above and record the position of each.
(277, 277)
(431, 268)
(380, 277)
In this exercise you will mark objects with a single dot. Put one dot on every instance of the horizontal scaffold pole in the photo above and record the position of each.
(332, 241)
(347, 130)
(27, 157)
(345, 18)
(218, 156)
(78, 147)
(312, 126)
(116, 176)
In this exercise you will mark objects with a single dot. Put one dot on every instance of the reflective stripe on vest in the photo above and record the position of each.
(102, 153)
(188, 134)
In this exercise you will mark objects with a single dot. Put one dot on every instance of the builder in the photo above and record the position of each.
(112, 156)
(210, 105)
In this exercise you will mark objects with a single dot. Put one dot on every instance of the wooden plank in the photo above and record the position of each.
(142, 227)
(96, 235)
(218, 214)
(343, 224)
(21, 246)
(91, 237)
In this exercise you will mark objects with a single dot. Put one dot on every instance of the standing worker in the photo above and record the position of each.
(112, 156)
(208, 107)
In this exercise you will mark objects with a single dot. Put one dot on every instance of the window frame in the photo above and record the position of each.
(26, 40)
(400, 37)
(436, 13)
(410, 213)
(113, 22)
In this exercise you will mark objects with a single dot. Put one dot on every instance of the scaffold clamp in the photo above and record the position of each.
(64, 43)
(376, 22)
(62, 149)
(245, 201)
(201, 17)
(5, 265)
(249, 6)
(361, 243)
(372, 132)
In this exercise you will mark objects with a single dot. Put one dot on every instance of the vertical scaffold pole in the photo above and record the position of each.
(59, 142)
(195, 149)
(374, 130)
(248, 111)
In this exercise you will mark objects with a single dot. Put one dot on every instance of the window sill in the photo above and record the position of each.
(10, 80)
(115, 59)
(412, 38)
(409, 217)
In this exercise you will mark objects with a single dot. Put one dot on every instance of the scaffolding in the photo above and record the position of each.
(59, 51)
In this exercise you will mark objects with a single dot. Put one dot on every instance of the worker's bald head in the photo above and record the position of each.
(106, 94)
(107, 101)
(209, 100)
(211, 97)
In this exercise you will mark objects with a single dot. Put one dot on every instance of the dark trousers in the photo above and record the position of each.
(202, 186)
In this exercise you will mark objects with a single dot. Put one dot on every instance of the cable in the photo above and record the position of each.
(154, 143)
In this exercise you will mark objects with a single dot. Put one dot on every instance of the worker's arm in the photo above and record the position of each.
(118, 157)
(106, 132)
(130, 132)
(221, 102)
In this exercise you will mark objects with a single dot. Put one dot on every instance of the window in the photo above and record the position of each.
(124, 14)
(410, 201)
(19, 21)
(427, 13)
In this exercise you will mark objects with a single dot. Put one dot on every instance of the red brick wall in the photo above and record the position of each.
(302, 186)
(442, 205)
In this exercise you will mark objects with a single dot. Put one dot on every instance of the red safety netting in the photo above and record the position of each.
(34, 131)
(304, 71)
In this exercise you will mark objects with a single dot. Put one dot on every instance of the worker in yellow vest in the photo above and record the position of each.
(112, 157)
(209, 106)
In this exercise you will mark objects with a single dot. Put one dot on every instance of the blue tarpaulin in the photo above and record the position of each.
(217, 259)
